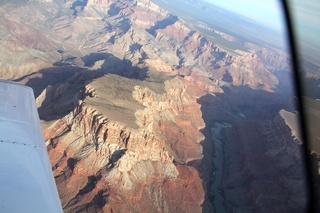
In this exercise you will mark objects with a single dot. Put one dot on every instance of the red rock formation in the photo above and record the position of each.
(59, 37)
(129, 168)
(135, 144)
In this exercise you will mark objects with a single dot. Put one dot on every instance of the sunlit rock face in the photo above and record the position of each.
(128, 93)
(65, 31)
(127, 145)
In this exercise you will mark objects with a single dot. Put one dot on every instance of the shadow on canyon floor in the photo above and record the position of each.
(63, 84)
(235, 105)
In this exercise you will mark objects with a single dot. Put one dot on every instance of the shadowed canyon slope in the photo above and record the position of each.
(128, 29)
(136, 156)
(134, 104)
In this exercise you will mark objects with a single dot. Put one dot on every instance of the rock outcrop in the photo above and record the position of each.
(127, 93)
(135, 30)
(128, 148)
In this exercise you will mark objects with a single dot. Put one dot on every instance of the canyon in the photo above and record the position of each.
(140, 111)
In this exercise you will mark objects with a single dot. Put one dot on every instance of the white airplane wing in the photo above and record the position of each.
(26, 179)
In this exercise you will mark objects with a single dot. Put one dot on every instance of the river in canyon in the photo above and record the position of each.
(218, 161)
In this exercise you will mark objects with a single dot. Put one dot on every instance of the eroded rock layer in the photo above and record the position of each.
(67, 31)
(128, 94)
(128, 145)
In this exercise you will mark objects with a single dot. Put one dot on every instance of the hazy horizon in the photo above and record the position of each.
(268, 13)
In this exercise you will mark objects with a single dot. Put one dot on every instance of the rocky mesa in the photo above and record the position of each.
(137, 105)
(127, 145)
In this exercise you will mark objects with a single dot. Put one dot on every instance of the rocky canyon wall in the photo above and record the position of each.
(103, 164)
(263, 168)
(128, 93)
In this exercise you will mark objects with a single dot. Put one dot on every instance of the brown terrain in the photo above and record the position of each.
(104, 159)
(128, 96)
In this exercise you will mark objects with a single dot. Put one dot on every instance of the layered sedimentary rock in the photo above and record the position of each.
(128, 145)
(128, 94)
(135, 30)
